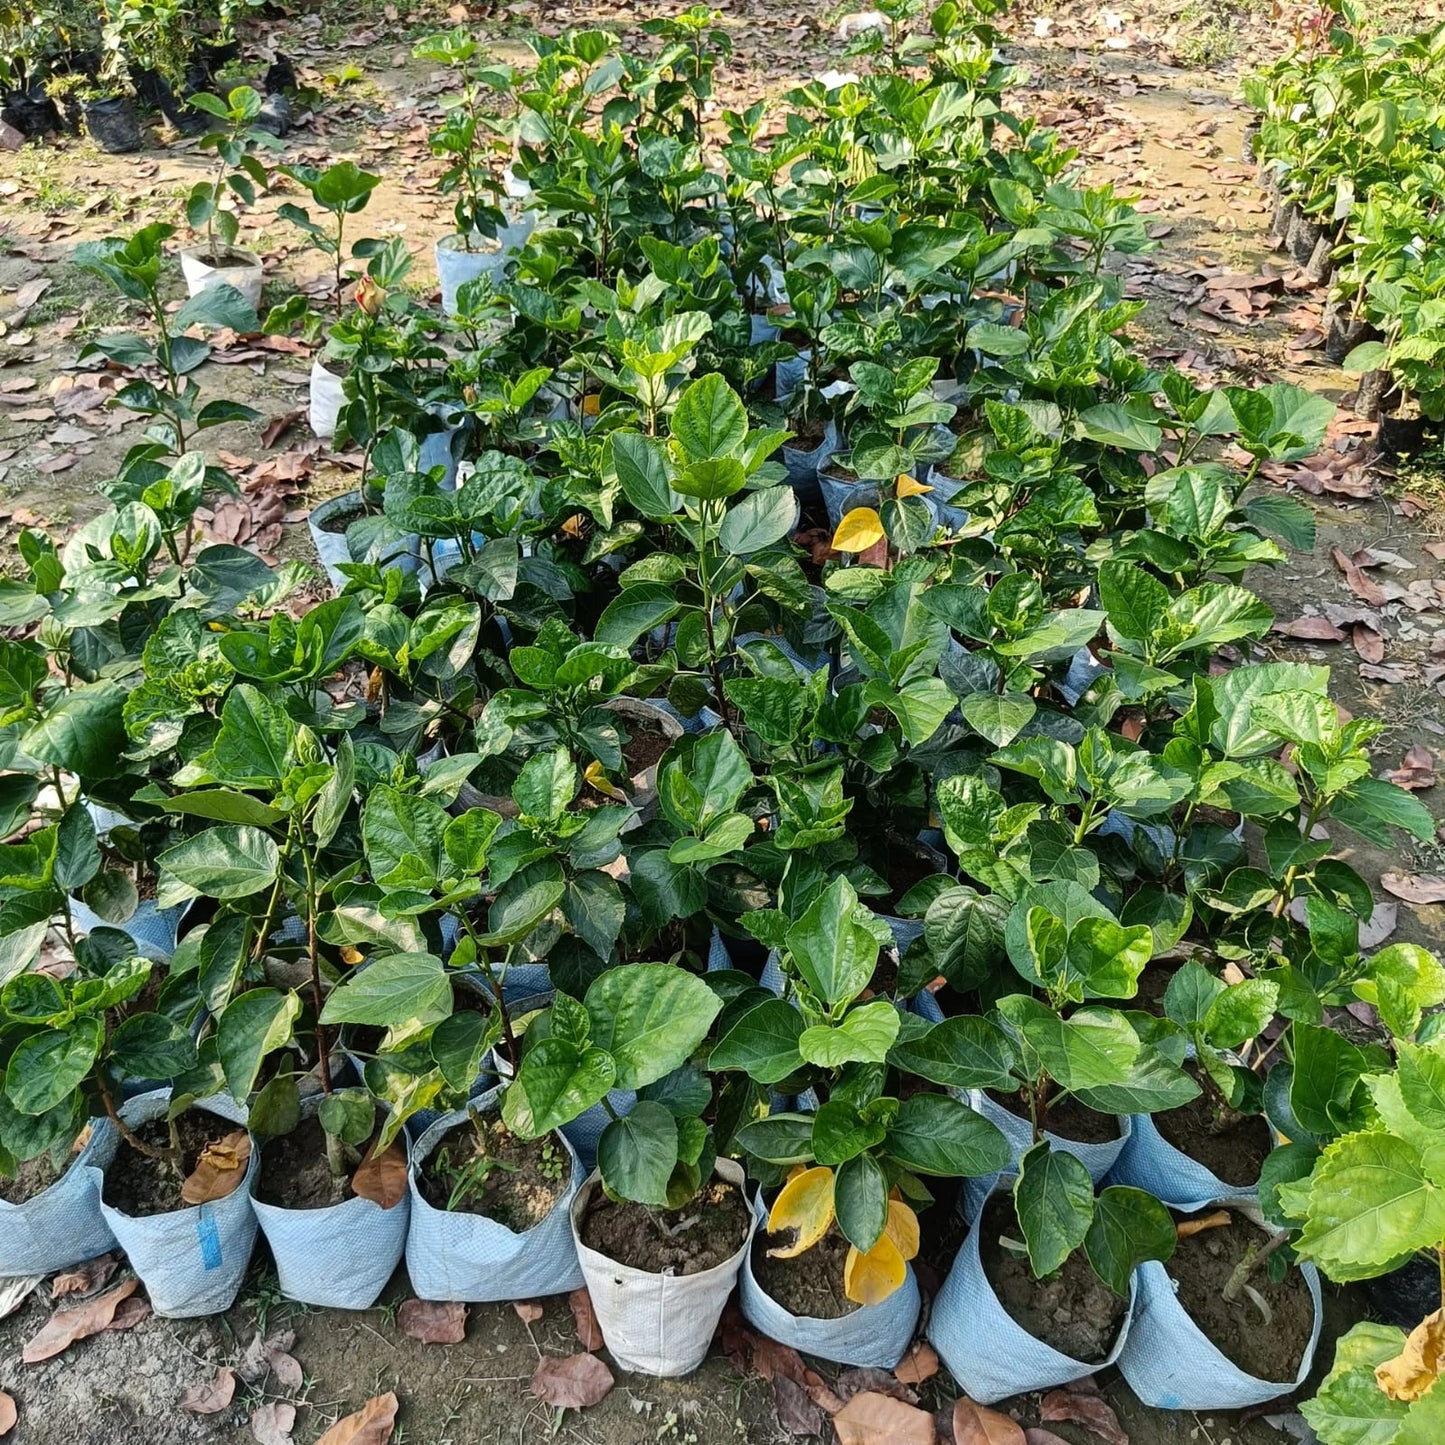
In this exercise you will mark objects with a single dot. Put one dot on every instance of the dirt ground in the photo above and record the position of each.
(1148, 93)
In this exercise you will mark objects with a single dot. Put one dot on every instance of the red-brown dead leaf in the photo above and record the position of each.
(1415, 887)
(1095, 1414)
(918, 1365)
(1039, 1436)
(129, 1315)
(220, 1169)
(213, 1396)
(1361, 585)
(867, 1378)
(433, 1322)
(1417, 771)
(528, 1310)
(278, 426)
(31, 292)
(84, 1277)
(8, 1413)
(975, 1424)
(1311, 629)
(1436, 550)
(573, 1383)
(381, 1178)
(370, 1425)
(271, 1423)
(65, 1327)
(589, 1332)
(797, 1412)
(1368, 643)
(872, 1419)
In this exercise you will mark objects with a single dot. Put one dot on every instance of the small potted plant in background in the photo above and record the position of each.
(218, 260)
(105, 101)
(467, 139)
(340, 191)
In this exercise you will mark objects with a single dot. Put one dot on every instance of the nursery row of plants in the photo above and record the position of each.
(1350, 144)
(88, 64)
(784, 765)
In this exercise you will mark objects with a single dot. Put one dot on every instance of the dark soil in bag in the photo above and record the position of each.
(1067, 1118)
(521, 1188)
(810, 1285)
(294, 1172)
(705, 1233)
(1232, 1149)
(139, 1185)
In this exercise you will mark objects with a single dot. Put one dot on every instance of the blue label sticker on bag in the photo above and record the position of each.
(208, 1237)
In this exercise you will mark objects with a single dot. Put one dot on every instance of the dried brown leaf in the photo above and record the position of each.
(528, 1310)
(879, 1382)
(278, 426)
(65, 1327)
(589, 1332)
(1416, 771)
(918, 1365)
(1039, 1436)
(1094, 1413)
(797, 1413)
(1415, 887)
(1312, 629)
(1416, 1368)
(271, 1423)
(8, 1413)
(370, 1425)
(433, 1322)
(213, 1396)
(286, 1368)
(975, 1424)
(1368, 643)
(572, 1383)
(84, 1277)
(220, 1169)
(873, 1419)
(129, 1315)
(382, 1178)
(1362, 586)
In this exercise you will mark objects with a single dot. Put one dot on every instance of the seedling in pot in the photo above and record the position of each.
(238, 169)
(866, 1151)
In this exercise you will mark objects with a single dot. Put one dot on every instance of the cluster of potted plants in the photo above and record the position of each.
(96, 64)
(676, 856)
(1349, 147)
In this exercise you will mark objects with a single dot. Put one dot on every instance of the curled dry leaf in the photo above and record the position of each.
(260, 1354)
(220, 1169)
(975, 1424)
(873, 1419)
(1311, 629)
(796, 1410)
(84, 1277)
(868, 1378)
(286, 1368)
(1416, 1368)
(1362, 586)
(918, 1365)
(213, 1396)
(65, 1327)
(381, 1178)
(1416, 771)
(433, 1322)
(1368, 643)
(129, 1315)
(1218, 1220)
(370, 1425)
(589, 1332)
(528, 1310)
(573, 1383)
(271, 1424)
(1091, 1411)
(1415, 887)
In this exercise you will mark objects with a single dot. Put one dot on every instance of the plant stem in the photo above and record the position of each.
(1253, 1258)
(125, 1131)
(323, 1052)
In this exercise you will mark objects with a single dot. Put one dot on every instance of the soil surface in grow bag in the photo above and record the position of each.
(810, 1285)
(1233, 1150)
(1074, 1310)
(521, 1188)
(32, 1177)
(140, 1186)
(707, 1232)
(295, 1174)
(1269, 1349)
(1067, 1119)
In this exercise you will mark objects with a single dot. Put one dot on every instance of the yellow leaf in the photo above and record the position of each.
(805, 1204)
(902, 1228)
(905, 486)
(861, 529)
(591, 405)
(596, 778)
(1418, 1365)
(870, 1278)
(351, 955)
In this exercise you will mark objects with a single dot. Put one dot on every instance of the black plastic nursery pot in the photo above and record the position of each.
(1407, 1295)
(31, 112)
(112, 124)
(1374, 395)
(1402, 436)
(1344, 332)
(1304, 235)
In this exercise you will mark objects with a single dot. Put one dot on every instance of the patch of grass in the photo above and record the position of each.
(1213, 43)
(78, 292)
(1423, 477)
